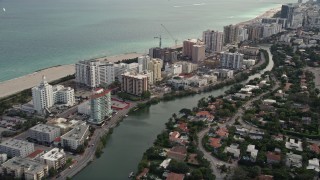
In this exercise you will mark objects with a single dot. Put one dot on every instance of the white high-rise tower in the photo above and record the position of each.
(42, 96)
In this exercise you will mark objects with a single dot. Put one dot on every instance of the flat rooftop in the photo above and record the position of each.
(44, 128)
(29, 166)
(15, 143)
(54, 154)
(76, 133)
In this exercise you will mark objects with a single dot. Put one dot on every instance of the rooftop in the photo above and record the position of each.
(175, 176)
(35, 153)
(215, 142)
(53, 154)
(15, 143)
(28, 165)
(76, 133)
(44, 128)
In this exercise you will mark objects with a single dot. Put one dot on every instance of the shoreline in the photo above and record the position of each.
(53, 73)
(12, 86)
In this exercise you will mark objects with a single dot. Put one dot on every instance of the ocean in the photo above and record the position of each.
(36, 34)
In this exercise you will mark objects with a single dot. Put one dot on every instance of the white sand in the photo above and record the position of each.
(25, 82)
(28, 81)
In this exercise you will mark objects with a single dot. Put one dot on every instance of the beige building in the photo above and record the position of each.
(55, 158)
(24, 168)
(155, 66)
(187, 47)
(198, 53)
(134, 84)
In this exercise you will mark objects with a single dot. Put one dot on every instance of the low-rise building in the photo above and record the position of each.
(55, 158)
(273, 157)
(43, 133)
(16, 148)
(294, 144)
(19, 168)
(165, 163)
(314, 164)
(293, 160)
(178, 153)
(175, 176)
(253, 152)
(75, 137)
(234, 150)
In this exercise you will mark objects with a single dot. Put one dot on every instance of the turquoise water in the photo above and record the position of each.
(36, 34)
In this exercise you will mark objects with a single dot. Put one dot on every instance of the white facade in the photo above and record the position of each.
(63, 95)
(15, 147)
(144, 61)
(55, 158)
(106, 73)
(271, 29)
(100, 106)
(75, 137)
(231, 60)
(43, 133)
(42, 96)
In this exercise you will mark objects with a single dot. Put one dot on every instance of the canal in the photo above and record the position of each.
(137, 133)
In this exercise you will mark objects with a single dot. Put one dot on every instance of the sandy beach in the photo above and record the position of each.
(16, 85)
(268, 14)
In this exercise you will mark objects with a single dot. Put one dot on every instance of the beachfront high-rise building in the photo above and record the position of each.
(42, 96)
(155, 65)
(94, 73)
(144, 61)
(255, 31)
(135, 84)
(100, 104)
(106, 73)
(231, 34)
(198, 53)
(187, 47)
(231, 60)
(87, 73)
(63, 95)
(45, 96)
(166, 54)
(213, 40)
(287, 12)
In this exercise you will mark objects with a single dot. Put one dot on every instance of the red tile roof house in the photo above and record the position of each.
(205, 114)
(222, 132)
(178, 153)
(143, 174)
(314, 148)
(183, 127)
(215, 143)
(174, 176)
(273, 157)
(174, 138)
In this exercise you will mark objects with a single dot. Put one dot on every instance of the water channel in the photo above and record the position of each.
(137, 133)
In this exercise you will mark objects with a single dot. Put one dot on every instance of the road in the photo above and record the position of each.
(213, 161)
(207, 155)
(89, 154)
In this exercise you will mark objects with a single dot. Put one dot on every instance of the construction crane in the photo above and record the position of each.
(174, 39)
(160, 40)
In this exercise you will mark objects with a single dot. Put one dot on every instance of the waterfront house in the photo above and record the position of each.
(178, 153)
(175, 176)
